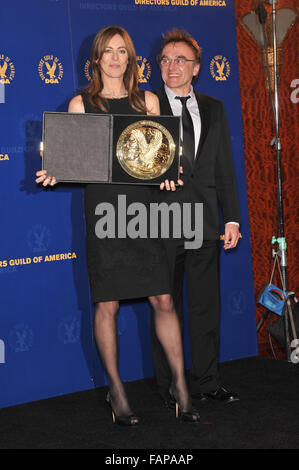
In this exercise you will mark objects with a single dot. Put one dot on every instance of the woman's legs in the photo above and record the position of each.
(106, 337)
(169, 334)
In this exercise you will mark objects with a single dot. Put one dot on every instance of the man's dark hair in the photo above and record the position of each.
(179, 35)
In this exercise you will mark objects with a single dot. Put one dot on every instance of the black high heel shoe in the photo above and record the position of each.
(191, 416)
(126, 420)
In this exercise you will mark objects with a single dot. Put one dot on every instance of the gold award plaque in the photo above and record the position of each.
(145, 149)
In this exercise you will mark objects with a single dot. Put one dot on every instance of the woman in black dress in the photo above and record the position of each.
(125, 268)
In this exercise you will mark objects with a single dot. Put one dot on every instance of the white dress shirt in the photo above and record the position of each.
(192, 105)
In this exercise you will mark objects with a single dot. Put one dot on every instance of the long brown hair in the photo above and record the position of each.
(131, 74)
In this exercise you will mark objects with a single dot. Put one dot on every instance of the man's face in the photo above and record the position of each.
(179, 77)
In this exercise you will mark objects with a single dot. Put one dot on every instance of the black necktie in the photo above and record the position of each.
(188, 131)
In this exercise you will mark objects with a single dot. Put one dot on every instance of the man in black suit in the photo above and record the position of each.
(209, 178)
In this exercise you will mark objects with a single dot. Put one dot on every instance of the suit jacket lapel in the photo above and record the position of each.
(165, 109)
(205, 121)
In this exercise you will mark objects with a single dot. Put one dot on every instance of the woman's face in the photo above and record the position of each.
(114, 60)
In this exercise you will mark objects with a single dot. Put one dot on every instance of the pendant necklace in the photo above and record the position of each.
(121, 95)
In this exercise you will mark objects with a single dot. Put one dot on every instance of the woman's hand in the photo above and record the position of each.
(153, 107)
(170, 185)
(45, 179)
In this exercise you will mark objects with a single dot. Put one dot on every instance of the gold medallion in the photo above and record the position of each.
(145, 149)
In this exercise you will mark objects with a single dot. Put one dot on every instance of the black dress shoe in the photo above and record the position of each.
(222, 394)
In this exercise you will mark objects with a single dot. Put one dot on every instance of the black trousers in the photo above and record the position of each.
(201, 270)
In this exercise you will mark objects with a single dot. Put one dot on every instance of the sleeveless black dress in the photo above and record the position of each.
(122, 268)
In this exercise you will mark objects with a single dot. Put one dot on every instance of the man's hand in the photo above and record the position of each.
(231, 236)
(170, 185)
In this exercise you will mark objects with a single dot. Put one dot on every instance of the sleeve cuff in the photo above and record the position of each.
(234, 223)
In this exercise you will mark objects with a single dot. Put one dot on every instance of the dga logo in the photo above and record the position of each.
(237, 302)
(38, 238)
(50, 69)
(69, 330)
(144, 70)
(220, 68)
(7, 70)
(21, 338)
(87, 70)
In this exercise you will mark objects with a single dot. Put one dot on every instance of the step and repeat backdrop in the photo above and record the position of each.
(46, 339)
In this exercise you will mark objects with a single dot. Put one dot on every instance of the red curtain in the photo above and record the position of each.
(260, 158)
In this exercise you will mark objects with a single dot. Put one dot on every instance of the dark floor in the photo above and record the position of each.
(266, 417)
